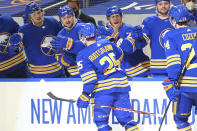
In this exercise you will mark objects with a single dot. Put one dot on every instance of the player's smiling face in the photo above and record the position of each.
(163, 7)
(37, 17)
(68, 20)
(116, 20)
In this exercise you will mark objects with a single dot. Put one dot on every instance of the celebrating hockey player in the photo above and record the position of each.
(134, 64)
(36, 37)
(67, 41)
(181, 87)
(153, 28)
(12, 62)
(102, 78)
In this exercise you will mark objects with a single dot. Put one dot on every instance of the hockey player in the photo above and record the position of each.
(178, 43)
(67, 41)
(102, 78)
(36, 37)
(134, 64)
(12, 63)
(153, 28)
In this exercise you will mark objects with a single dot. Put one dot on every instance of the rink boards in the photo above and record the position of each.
(26, 106)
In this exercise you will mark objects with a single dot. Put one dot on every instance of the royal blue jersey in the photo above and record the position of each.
(153, 28)
(40, 54)
(11, 63)
(135, 62)
(178, 43)
(99, 68)
(73, 46)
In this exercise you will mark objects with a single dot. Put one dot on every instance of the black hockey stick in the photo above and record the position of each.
(52, 96)
(177, 83)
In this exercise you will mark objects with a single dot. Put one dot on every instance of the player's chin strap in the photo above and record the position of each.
(52, 96)
(177, 83)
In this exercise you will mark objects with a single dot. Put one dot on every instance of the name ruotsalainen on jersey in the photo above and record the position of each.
(103, 70)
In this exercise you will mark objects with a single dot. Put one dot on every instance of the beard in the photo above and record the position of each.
(162, 12)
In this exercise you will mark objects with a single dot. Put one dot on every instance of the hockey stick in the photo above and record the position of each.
(177, 83)
(54, 5)
(52, 96)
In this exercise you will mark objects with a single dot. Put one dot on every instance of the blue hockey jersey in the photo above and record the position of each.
(153, 28)
(99, 68)
(178, 43)
(12, 64)
(73, 46)
(40, 54)
(135, 62)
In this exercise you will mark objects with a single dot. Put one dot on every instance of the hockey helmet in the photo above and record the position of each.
(31, 7)
(65, 10)
(161, 0)
(88, 30)
(179, 13)
(113, 10)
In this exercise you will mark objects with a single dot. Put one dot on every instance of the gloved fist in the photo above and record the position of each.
(137, 32)
(170, 89)
(59, 42)
(100, 23)
(104, 30)
(83, 100)
(15, 39)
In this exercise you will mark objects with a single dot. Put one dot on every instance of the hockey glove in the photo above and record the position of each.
(59, 42)
(68, 57)
(100, 23)
(137, 32)
(104, 30)
(83, 100)
(170, 89)
(15, 39)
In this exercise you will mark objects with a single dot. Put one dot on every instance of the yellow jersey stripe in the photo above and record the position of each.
(88, 77)
(111, 83)
(109, 87)
(87, 73)
(45, 72)
(87, 81)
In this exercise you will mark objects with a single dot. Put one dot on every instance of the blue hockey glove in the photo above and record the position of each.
(170, 89)
(104, 30)
(61, 42)
(15, 39)
(69, 58)
(137, 32)
(100, 23)
(83, 100)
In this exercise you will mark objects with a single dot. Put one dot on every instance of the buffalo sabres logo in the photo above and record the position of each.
(4, 37)
(161, 36)
(14, 3)
(46, 46)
